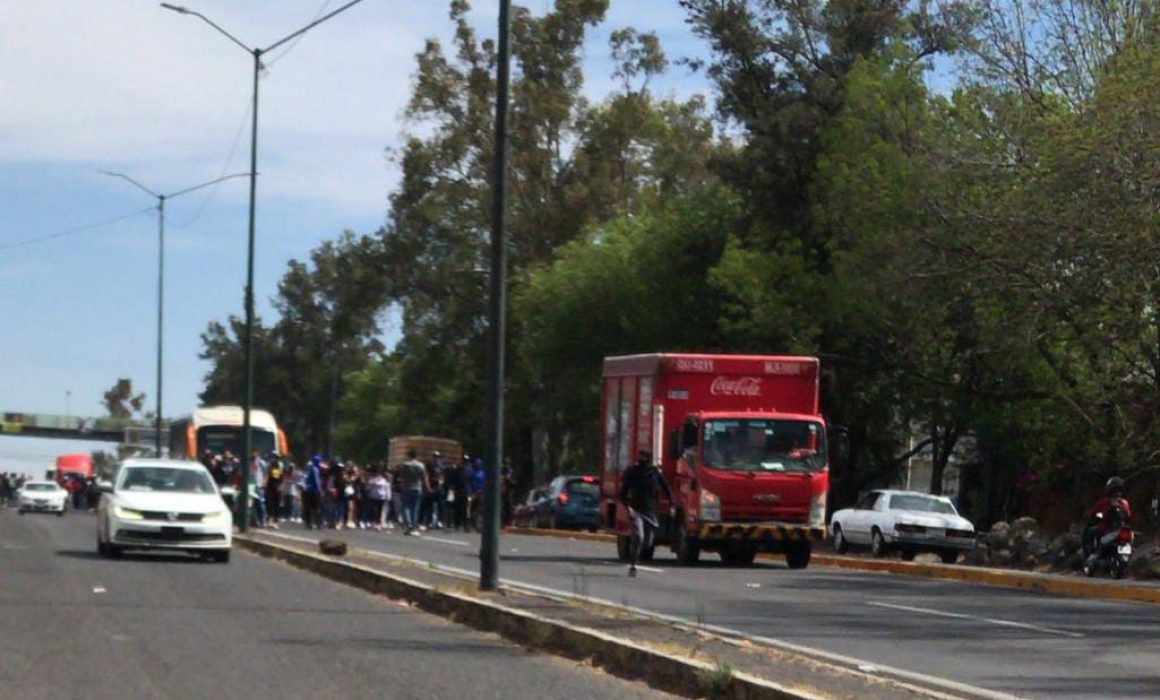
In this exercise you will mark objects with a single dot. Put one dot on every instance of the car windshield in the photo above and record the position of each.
(921, 503)
(166, 479)
(40, 487)
(765, 445)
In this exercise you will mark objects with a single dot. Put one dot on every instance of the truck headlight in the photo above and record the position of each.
(710, 506)
(127, 513)
(818, 510)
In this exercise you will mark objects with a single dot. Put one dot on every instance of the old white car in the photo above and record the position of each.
(164, 504)
(908, 521)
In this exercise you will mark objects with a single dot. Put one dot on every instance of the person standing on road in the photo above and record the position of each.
(638, 493)
(413, 480)
(312, 489)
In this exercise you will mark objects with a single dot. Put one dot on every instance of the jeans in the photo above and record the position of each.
(411, 501)
(640, 538)
(312, 510)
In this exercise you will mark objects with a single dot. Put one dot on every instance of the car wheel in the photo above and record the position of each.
(949, 556)
(841, 546)
(623, 545)
(877, 543)
(101, 549)
(909, 554)
(222, 557)
(797, 555)
(688, 546)
(113, 551)
(60, 514)
(21, 511)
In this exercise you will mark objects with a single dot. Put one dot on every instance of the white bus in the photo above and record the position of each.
(219, 428)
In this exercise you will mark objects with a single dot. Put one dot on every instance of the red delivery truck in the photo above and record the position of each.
(740, 440)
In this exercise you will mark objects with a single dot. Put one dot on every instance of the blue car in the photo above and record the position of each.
(571, 502)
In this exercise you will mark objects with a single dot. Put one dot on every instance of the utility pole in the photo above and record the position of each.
(489, 544)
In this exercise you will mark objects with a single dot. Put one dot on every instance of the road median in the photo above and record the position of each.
(685, 661)
(1054, 584)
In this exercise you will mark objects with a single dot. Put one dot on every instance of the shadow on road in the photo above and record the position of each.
(165, 557)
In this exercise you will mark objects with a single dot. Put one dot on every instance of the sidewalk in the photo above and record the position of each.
(1076, 585)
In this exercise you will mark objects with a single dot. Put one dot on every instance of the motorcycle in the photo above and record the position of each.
(1113, 550)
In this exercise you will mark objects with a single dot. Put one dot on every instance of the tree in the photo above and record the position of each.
(121, 402)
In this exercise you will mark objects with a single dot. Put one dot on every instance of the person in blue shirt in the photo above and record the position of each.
(312, 494)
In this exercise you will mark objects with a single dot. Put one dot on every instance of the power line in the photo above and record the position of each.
(297, 39)
(72, 231)
(225, 166)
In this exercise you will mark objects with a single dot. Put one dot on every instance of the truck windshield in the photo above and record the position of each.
(764, 445)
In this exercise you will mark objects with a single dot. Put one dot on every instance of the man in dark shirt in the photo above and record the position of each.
(638, 492)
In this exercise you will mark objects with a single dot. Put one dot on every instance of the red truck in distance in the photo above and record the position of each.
(740, 440)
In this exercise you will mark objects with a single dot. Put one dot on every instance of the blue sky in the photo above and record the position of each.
(127, 86)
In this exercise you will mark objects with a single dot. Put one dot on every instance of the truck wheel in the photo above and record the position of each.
(877, 544)
(688, 546)
(623, 551)
(841, 546)
(797, 555)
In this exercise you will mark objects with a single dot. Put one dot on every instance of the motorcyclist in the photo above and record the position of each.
(1110, 512)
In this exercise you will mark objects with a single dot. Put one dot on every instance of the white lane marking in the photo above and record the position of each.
(975, 618)
(440, 539)
(99, 589)
(851, 662)
(650, 569)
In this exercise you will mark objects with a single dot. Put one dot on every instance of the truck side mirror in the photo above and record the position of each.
(689, 436)
(840, 445)
(674, 444)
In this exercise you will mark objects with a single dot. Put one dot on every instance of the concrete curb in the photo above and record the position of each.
(1024, 580)
(688, 677)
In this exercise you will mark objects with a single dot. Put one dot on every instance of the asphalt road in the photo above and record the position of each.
(1024, 644)
(74, 625)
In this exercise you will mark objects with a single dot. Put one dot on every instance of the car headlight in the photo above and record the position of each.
(219, 518)
(710, 506)
(127, 513)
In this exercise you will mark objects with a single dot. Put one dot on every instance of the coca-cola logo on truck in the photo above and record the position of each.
(741, 386)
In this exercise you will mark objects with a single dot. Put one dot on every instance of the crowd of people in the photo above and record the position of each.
(413, 496)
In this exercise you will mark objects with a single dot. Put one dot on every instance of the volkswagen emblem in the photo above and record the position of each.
(171, 516)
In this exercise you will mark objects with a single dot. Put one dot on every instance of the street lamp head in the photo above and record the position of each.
(175, 8)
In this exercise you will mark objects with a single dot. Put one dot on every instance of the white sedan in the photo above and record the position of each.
(910, 521)
(164, 504)
(42, 496)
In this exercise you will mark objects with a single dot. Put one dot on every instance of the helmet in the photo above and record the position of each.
(1115, 486)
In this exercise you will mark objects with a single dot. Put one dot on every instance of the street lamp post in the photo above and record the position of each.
(247, 407)
(492, 491)
(161, 274)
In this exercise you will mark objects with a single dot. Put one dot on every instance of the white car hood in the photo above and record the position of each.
(927, 519)
(171, 502)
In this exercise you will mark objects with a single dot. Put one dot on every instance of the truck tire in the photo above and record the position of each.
(797, 555)
(623, 552)
(688, 547)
